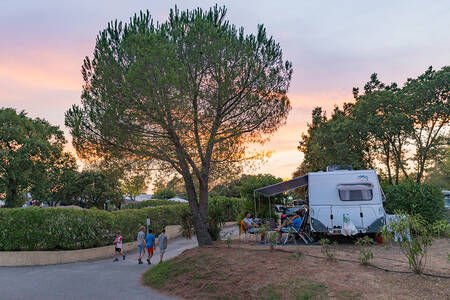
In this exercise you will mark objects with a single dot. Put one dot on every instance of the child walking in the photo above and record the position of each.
(118, 246)
(141, 244)
(162, 242)
(150, 240)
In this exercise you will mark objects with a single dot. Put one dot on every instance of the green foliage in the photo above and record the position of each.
(414, 236)
(164, 194)
(63, 228)
(31, 151)
(439, 174)
(150, 203)
(252, 182)
(220, 210)
(365, 253)
(441, 229)
(133, 186)
(94, 188)
(328, 249)
(415, 198)
(386, 125)
(334, 141)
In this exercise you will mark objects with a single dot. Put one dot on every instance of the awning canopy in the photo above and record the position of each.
(285, 186)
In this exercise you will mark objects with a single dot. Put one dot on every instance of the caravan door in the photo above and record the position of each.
(354, 213)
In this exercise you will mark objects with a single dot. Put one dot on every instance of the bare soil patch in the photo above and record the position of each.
(247, 271)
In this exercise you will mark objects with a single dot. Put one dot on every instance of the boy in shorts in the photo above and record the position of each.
(141, 244)
(118, 246)
(150, 241)
(162, 242)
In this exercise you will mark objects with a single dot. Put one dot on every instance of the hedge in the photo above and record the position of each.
(35, 228)
(416, 198)
(231, 207)
(150, 203)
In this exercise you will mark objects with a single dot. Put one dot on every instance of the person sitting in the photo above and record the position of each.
(295, 221)
(250, 225)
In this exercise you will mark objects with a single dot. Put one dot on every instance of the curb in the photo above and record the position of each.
(40, 258)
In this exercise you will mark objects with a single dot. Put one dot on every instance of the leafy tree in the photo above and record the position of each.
(429, 95)
(382, 114)
(53, 183)
(28, 149)
(188, 93)
(334, 141)
(252, 182)
(164, 194)
(94, 188)
(133, 185)
(439, 175)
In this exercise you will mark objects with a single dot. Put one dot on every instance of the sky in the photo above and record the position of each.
(333, 46)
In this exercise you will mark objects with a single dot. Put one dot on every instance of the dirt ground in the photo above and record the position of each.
(250, 271)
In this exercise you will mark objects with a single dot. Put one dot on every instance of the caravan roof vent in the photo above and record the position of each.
(339, 168)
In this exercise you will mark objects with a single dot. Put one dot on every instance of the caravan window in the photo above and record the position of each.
(355, 192)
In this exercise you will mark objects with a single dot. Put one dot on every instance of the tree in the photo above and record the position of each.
(334, 141)
(383, 115)
(95, 188)
(133, 185)
(164, 193)
(429, 95)
(52, 184)
(188, 93)
(439, 174)
(28, 148)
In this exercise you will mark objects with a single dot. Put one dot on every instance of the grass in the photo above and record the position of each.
(303, 289)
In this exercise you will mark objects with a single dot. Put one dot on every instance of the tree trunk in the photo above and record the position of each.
(199, 213)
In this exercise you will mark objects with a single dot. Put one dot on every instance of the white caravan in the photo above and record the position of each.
(356, 194)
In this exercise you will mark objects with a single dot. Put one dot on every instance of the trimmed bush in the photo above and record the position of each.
(416, 198)
(35, 228)
(231, 207)
(150, 203)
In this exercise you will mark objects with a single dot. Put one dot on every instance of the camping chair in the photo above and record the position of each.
(293, 233)
(243, 230)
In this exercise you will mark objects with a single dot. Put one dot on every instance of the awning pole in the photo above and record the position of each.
(254, 201)
(270, 210)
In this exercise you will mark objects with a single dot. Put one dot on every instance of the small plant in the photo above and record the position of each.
(413, 235)
(365, 253)
(228, 239)
(328, 248)
(297, 254)
(273, 236)
(441, 229)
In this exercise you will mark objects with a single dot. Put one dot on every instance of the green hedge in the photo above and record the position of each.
(35, 228)
(230, 207)
(416, 198)
(150, 203)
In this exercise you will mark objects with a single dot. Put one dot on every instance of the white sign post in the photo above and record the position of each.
(148, 223)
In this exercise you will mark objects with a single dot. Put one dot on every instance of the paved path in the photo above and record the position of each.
(101, 279)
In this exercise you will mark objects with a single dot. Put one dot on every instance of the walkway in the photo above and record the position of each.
(100, 279)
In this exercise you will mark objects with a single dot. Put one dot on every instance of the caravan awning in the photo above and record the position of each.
(285, 186)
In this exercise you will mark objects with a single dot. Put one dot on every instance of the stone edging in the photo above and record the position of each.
(39, 258)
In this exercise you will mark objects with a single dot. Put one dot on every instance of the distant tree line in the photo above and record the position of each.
(402, 130)
(33, 162)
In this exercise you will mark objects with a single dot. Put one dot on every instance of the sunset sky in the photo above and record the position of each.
(333, 45)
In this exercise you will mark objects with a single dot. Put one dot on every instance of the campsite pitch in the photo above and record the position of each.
(246, 271)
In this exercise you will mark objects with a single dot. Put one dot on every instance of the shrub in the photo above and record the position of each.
(231, 207)
(164, 194)
(150, 203)
(35, 228)
(365, 253)
(416, 198)
(328, 248)
(414, 236)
